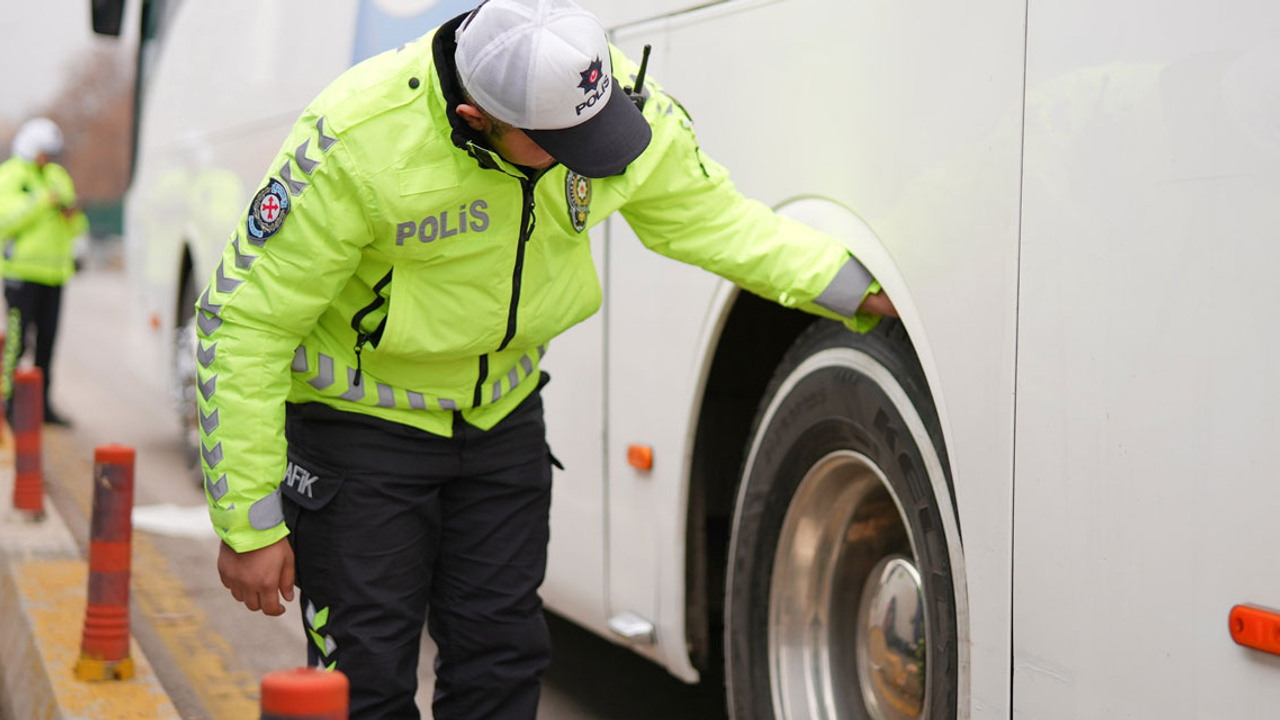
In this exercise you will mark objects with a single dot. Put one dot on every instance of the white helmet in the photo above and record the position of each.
(38, 135)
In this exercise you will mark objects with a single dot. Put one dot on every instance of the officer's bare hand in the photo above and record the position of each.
(259, 577)
(878, 304)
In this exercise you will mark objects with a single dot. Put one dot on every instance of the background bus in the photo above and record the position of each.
(1038, 495)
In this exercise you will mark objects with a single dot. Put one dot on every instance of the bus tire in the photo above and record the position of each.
(836, 535)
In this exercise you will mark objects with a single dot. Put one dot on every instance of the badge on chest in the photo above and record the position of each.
(577, 191)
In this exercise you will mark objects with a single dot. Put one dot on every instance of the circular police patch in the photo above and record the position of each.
(268, 210)
(577, 190)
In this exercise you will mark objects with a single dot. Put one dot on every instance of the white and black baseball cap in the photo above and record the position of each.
(543, 66)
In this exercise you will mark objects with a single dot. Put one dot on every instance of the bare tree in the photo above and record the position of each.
(7, 131)
(94, 108)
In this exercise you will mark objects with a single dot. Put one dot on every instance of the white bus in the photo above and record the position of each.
(1038, 495)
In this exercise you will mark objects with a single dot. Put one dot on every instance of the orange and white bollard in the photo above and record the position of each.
(28, 418)
(104, 648)
(305, 694)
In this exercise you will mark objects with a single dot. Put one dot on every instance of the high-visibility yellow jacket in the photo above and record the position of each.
(37, 238)
(392, 265)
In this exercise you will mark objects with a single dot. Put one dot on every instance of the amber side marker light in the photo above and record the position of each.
(1256, 628)
(640, 457)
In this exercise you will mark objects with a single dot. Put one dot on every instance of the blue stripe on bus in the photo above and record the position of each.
(378, 30)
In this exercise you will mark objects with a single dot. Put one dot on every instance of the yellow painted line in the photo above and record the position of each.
(54, 593)
(200, 653)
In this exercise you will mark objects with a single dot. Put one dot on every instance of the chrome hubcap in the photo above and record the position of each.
(848, 637)
(891, 641)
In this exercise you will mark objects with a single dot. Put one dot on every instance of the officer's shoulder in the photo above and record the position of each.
(14, 169)
(54, 169)
(375, 86)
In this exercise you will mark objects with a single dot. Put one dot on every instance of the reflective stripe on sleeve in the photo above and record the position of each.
(326, 142)
(844, 294)
(267, 512)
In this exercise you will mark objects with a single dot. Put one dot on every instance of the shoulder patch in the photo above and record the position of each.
(267, 211)
(577, 191)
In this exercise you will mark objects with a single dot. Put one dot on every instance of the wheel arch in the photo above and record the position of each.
(749, 343)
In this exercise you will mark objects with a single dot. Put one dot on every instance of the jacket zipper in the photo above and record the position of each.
(528, 220)
(363, 337)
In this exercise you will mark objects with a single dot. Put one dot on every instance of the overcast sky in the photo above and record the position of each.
(39, 41)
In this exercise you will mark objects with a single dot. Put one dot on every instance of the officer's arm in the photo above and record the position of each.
(288, 257)
(682, 204)
(65, 196)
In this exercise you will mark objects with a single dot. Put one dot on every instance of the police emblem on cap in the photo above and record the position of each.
(591, 76)
(268, 210)
(577, 190)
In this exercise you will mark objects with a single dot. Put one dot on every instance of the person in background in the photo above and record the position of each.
(39, 222)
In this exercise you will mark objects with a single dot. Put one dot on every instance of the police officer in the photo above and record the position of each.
(39, 222)
(370, 343)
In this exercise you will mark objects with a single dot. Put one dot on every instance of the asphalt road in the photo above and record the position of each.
(210, 652)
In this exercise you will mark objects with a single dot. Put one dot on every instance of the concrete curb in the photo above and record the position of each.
(43, 588)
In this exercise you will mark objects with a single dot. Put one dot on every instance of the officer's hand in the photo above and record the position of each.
(255, 577)
(878, 304)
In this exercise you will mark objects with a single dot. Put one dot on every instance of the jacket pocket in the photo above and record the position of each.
(309, 484)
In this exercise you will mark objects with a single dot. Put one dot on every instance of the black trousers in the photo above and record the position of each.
(391, 525)
(32, 307)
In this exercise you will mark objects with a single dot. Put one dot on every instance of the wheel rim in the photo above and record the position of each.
(844, 538)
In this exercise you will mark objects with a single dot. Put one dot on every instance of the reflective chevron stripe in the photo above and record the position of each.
(305, 164)
(324, 378)
(286, 173)
(208, 323)
(386, 396)
(208, 306)
(207, 387)
(326, 142)
(211, 457)
(223, 283)
(243, 261)
(355, 391)
(204, 355)
(217, 490)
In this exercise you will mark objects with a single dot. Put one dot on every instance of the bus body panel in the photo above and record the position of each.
(1147, 393)
(219, 96)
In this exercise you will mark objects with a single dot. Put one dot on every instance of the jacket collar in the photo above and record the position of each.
(443, 47)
